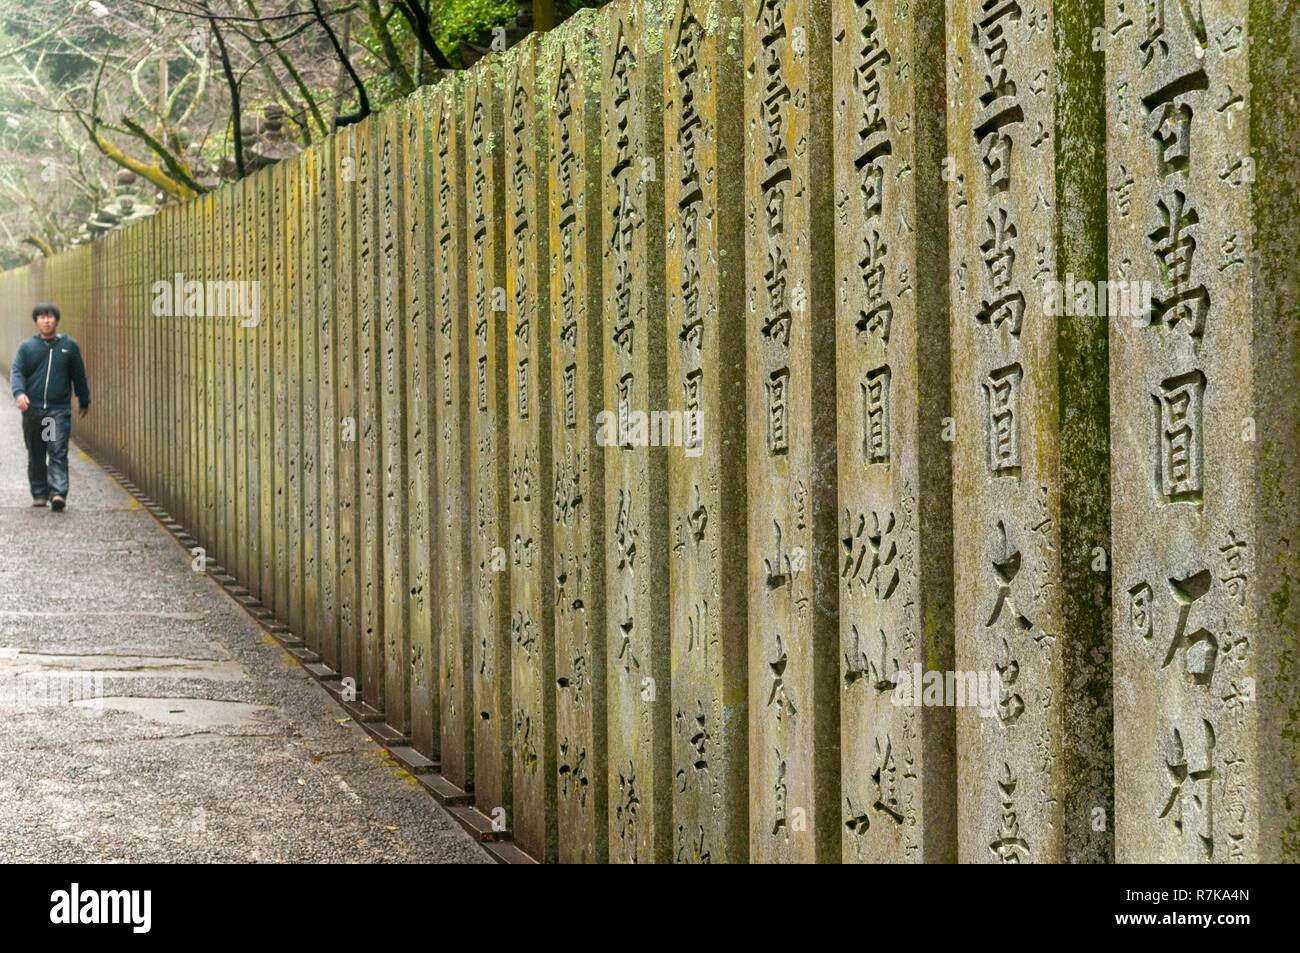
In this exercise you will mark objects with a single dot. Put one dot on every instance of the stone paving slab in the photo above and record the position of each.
(201, 739)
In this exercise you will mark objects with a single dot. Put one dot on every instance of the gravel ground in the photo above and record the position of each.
(144, 717)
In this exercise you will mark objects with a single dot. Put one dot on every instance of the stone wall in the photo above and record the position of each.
(630, 425)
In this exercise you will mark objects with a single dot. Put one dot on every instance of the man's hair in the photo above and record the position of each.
(45, 307)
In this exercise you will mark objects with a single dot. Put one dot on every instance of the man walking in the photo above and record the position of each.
(45, 371)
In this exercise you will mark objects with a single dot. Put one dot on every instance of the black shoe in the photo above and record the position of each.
(57, 503)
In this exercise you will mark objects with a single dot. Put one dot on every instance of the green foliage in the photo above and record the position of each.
(452, 23)
(567, 8)
(455, 21)
(382, 89)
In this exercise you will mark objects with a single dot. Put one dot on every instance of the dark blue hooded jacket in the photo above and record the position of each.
(48, 371)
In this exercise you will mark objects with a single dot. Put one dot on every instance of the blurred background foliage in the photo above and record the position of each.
(111, 108)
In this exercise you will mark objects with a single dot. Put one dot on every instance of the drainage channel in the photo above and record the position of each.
(457, 802)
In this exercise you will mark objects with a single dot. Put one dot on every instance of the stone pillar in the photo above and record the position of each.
(138, 303)
(124, 323)
(107, 295)
(150, 328)
(125, 290)
(141, 280)
(117, 304)
(572, 105)
(232, 394)
(203, 330)
(1202, 170)
(489, 437)
(392, 436)
(285, 225)
(122, 315)
(122, 308)
(238, 565)
(146, 276)
(196, 329)
(269, 303)
(193, 326)
(124, 352)
(218, 377)
(189, 510)
(152, 331)
(161, 356)
(121, 355)
(103, 318)
(132, 312)
(898, 762)
(369, 525)
(309, 438)
(226, 321)
(185, 237)
(636, 493)
(345, 406)
(232, 270)
(327, 266)
(167, 424)
(292, 553)
(417, 280)
(220, 549)
(790, 358)
(528, 409)
(173, 356)
(118, 351)
(212, 364)
(207, 380)
(108, 316)
(172, 473)
(250, 299)
(1030, 429)
(200, 251)
(452, 449)
(704, 281)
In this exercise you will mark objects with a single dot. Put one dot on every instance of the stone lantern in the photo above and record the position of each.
(272, 146)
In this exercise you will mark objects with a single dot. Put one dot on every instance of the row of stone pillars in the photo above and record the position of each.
(782, 431)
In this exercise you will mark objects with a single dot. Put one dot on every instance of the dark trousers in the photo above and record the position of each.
(46, 431)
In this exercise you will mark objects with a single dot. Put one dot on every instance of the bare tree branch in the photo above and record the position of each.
(363, 101)
(392, 58)
(418, 18)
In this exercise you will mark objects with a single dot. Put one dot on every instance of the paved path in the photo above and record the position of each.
(209, 743)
